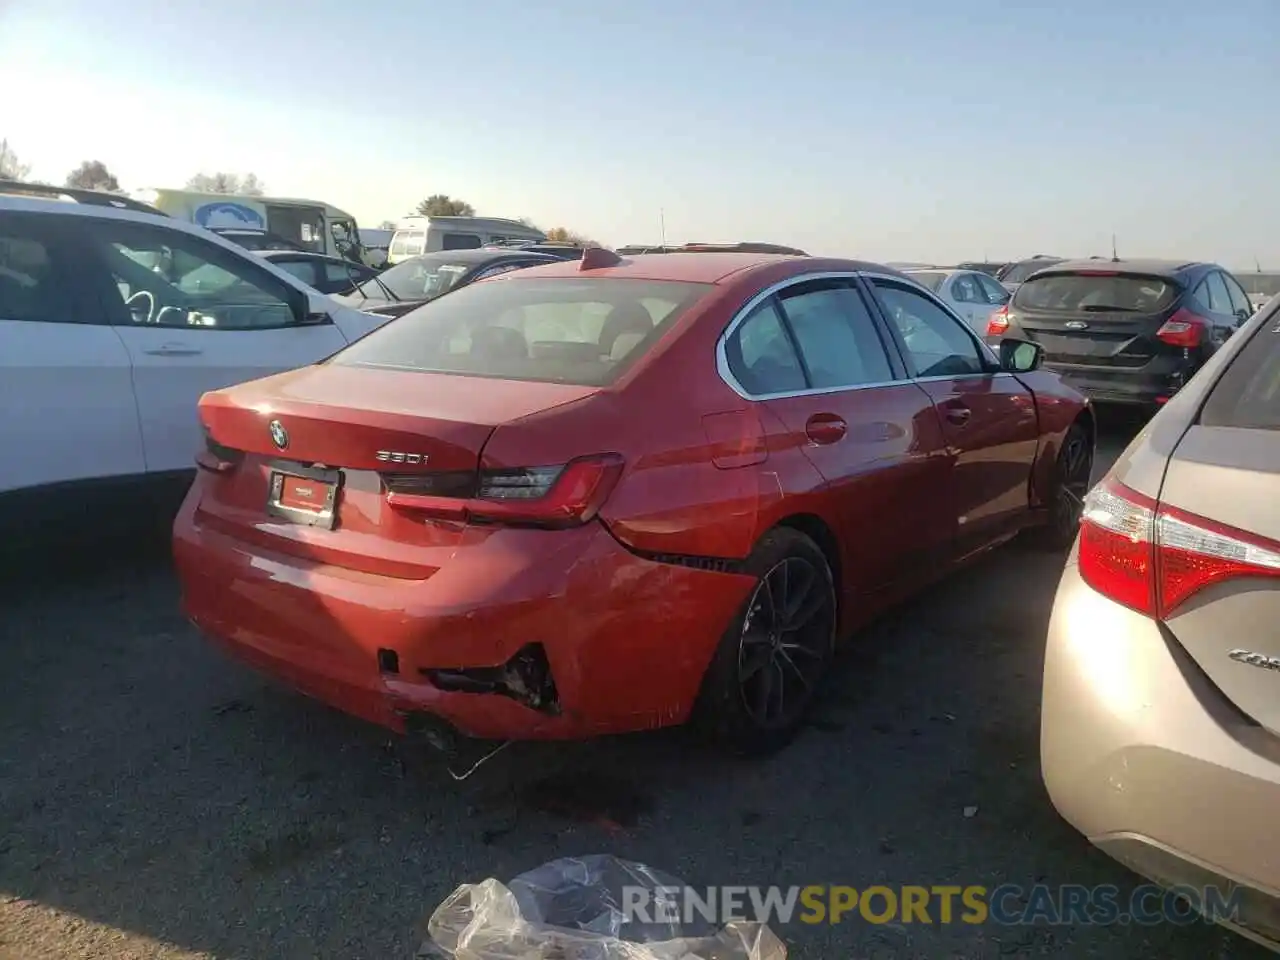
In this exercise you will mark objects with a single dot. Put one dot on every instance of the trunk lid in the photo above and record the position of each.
(1231, 628)
(1092, 318)
(310, 461)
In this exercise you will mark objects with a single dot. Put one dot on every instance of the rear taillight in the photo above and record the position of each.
(998, 322)
(1152, 558)
(1184, 329)
(217, 458)
(566, 495)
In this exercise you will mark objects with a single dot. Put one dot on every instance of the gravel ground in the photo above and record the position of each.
(157, 801)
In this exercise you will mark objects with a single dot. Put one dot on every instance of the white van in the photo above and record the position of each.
(415, 236)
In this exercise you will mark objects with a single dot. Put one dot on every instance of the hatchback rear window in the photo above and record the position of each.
(931, 280)
(578, 331)
(1097, 292)
(1248, 392)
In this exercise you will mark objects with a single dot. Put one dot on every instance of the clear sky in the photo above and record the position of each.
(909, 130)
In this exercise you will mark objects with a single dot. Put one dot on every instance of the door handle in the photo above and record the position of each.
(957, 413)
(173, 350)
(824, 428)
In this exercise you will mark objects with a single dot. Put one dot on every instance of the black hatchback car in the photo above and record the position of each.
(1125, 331)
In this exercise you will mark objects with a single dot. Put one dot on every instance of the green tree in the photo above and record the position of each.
(443, 205)
(247, 185)
(11, 168)
(93, 175)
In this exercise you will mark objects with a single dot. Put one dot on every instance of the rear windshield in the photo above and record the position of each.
(575, 331)
(1248, 393)
(931, 280)
(1101, 293)
(415, 280)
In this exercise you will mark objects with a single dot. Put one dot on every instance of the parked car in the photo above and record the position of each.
(1125, 331)
(417, 235)
(970, 293)
(559, 250)
(324, 273)
(990, 268)
(593, 497)
(411, 283)
(113, 322)
(257, 240)
(1011, 275)
(1160, 731)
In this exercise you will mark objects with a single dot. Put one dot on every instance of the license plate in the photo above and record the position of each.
(305, 495)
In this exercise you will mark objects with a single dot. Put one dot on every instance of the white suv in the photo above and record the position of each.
(113, 323)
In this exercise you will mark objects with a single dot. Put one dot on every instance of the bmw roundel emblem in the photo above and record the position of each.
(279, 435)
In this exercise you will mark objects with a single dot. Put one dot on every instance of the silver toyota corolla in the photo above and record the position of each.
(1160, 736)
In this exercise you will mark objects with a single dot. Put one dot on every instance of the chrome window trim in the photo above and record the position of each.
(722, 357)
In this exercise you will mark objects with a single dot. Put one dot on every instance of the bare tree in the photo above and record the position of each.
(562, 235)
(11, 168)
(93, 175)
(222, 182)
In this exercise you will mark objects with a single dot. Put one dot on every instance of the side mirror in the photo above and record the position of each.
(1020, 356)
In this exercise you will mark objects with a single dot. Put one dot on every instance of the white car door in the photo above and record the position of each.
(67, 409)
(197, 316)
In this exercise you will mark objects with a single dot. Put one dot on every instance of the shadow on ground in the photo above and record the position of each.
(181, 806)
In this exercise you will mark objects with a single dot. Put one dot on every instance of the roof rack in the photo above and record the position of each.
(749, 246)
(94, 198)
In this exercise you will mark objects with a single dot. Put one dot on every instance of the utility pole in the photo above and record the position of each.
(662, 227)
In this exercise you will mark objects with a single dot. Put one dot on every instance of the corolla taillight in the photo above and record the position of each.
(1152, 557)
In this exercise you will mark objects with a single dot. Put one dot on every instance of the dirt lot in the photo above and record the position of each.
(159, 802)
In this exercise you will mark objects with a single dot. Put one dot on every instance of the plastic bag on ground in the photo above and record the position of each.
(573, 909)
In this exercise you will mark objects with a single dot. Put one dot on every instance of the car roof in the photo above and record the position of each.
(13, 203)
(700, 267)
(306, 254)
(1151, 266)
(479, 256)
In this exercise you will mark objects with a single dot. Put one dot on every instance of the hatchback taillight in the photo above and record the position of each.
(1152, 558)
(998, 322)
(1184, 329)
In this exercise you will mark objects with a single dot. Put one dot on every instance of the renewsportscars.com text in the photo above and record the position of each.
(1007, 904)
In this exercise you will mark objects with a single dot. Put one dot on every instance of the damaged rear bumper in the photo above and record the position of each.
(528, 635)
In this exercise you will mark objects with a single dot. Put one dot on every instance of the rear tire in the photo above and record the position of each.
(1072, 477)
(771, 661)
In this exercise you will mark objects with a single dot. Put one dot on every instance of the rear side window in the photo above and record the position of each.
(31, 286)
(1097, 292)
(931, 280)
(1248, 393)
(762, 357)
(575, 331)
(459, 241)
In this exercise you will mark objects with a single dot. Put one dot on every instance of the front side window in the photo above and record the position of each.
(170, 278)
(33, 278)
(584, 332)
(937, 344)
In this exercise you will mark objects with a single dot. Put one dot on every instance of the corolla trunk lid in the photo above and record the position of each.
(1221, 536)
